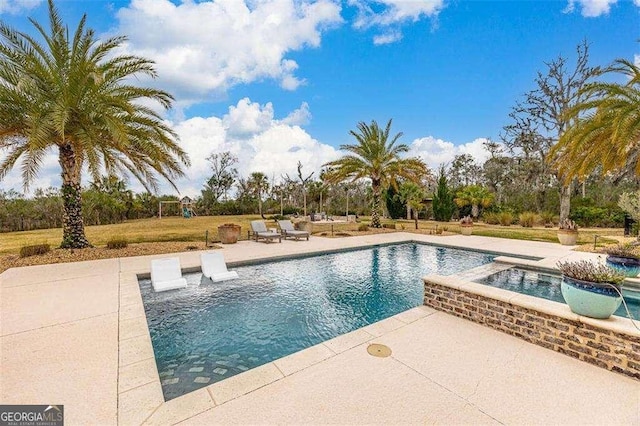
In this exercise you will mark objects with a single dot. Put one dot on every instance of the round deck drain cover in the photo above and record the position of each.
(381, 351)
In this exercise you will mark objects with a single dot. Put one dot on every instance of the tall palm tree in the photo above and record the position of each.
(606, 130)
(76, 95)
(259, 185)
(377, 157)
(475, 196)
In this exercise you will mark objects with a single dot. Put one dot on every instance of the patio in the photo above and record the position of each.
(76, 334)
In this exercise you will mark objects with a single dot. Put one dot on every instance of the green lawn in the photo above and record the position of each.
(179, 229)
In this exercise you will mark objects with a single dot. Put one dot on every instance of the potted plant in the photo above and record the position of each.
(624, 258)
(229, 233)
(568, 232)
(466, 225)
(591, 289)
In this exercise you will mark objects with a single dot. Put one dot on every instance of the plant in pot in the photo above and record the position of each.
(591, 289)
(466, 225)
(624, 258)
(229, 233)
(568, 232)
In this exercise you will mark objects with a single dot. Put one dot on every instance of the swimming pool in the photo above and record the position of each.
(210, 331)
(547, 286)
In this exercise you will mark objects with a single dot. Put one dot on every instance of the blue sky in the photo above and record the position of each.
(280, 81)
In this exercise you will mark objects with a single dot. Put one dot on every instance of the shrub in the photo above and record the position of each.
(363, 227)
(117, 243)
(33, 250)
(389, 225)
(624, 250)
(505, 218)
(608, 216)
(548, 218)
(585, 270)
(529, 219)
(491, 218)
(277, 217)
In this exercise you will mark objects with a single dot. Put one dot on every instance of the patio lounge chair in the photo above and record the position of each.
(214, 267)
(166, 274)
(260, 232)
(288, 231)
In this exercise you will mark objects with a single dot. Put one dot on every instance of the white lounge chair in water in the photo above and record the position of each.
(214, 267)
(290, 232)
(166, 274)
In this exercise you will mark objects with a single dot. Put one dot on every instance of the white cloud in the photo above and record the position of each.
(388, 15)
(17, 6)
(387, 38)
(593, 8)
(435, 151)
(261, 142)
(299, 117)
(204, 48)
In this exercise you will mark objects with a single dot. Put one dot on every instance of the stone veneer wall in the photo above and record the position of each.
(599, 346)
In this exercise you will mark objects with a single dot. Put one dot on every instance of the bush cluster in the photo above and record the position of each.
(363, 227)
(117, 243)
(34, 250)
(529, 219)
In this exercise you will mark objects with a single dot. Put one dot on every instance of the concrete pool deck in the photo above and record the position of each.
(76, 334)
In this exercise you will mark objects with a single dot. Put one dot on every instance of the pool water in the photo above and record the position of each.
(210, 331)
(547, 286)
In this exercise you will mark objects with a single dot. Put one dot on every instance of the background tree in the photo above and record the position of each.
(443, 205)
(464, 171)
(75, 95)
(223, 176)
(541, 119)
(475, 196)
(259, 185)
(413, 196)
(303, 182)
(606, 131)
(395, 207)
(376, 157)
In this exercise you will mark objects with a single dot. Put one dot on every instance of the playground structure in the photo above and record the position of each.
(186, 207)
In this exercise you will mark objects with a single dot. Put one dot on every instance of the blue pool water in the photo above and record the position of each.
(211, 331)
(548, 287)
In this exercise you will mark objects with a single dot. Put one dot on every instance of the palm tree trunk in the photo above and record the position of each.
(565, 201)
(72, 224)
(475, 211)
(375, 209)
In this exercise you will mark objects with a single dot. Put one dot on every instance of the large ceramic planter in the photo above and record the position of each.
(594, 300)
(629, 266)
(466, 229)
(567, 238)
(229, 233)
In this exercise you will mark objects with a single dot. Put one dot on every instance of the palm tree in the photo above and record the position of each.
(606, 130)
(376, 157)
(474, 196)
(76, 96)
(412, 195)
(259, 184)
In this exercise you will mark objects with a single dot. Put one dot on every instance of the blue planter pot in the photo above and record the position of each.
(629, 266)
(594, 300)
